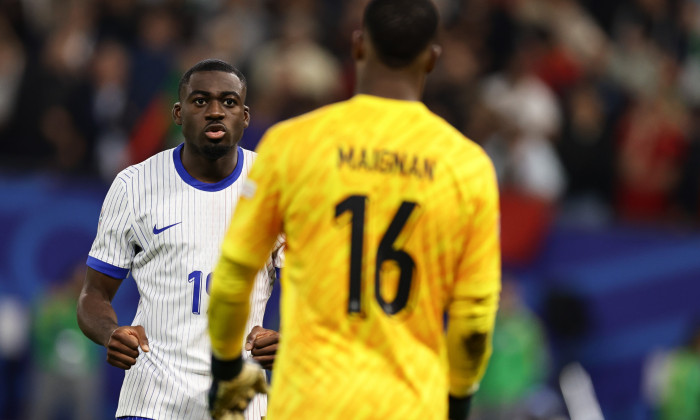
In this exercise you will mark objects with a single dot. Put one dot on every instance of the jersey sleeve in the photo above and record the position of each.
(479, 269)
(257, 221)
(112, 250)
(472, 311)
(278, 253)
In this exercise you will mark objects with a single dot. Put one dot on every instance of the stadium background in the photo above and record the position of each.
(586, 107)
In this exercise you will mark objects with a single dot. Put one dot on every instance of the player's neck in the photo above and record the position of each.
(207, 170)
(381, 81)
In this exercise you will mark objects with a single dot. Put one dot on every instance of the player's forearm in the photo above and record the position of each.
(469, 336)
(96, 317)
(229, 305)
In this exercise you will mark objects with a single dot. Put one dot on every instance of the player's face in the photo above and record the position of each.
(212, 113)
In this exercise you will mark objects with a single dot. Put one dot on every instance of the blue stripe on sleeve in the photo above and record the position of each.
(108, 269)
(132, 418)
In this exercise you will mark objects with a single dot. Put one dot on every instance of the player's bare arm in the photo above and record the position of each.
(262, 345)
(98, 321)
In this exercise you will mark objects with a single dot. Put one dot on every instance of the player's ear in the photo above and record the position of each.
(246, 116)
(177, 113)
(358, 48)
(435, 52)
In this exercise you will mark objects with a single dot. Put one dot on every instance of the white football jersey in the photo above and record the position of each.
(166, 227)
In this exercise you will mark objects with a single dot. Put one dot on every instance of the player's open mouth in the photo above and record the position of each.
(215, 131)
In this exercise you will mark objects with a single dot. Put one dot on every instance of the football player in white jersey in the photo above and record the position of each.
(163, 220)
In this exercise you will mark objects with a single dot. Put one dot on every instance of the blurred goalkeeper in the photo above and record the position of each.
(391, 220)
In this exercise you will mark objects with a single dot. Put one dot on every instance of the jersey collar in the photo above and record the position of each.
(204, 186)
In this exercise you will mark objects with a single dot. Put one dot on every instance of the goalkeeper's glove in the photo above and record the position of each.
(234, 384)
(459, 407)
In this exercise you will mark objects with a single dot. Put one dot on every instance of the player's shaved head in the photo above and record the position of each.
(400, 29)
(210, 64)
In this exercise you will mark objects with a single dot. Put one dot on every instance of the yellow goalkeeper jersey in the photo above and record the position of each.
(390, 215)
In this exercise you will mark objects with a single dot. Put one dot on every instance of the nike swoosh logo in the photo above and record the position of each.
(157, 231)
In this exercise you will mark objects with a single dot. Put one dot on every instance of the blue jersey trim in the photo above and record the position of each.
(217, 186)
(132, 418)
(106, 268)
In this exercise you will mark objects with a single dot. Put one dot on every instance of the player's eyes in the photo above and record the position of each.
(199, 101)
(229, 102)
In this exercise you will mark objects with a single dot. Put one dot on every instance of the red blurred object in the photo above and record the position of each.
(651, 146)
(150, 131)
(525, 222)
(558, 70)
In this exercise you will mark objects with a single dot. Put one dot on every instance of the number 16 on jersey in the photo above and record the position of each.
(356, 205)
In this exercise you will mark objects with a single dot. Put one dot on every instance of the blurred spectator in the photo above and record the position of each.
(118, 20)
(452, 89)
(574, 42)
(634, 61)
(530, 118)
(689, 78)
(109, 106)
(12, 66)
(688, 193)
(67, 375)
(515, 384)
(234, 32)
(658, 19)
(47, 128)
(673, 381)
(651, 147)
(568, 319)
(587, 151)
(293, 73)
(67, 52)
(154, 54)
(345, 18)
(153, 82)
(14, 346)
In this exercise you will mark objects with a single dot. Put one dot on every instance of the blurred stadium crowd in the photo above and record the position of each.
(586, 103)
(588, 109)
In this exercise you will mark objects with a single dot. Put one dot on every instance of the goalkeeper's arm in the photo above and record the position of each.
(229, 305)
(469, 335)
(234, 382)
